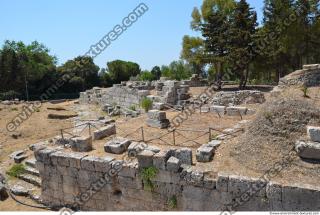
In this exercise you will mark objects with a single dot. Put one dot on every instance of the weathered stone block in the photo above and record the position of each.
(221, 110)
(160, 159)
(157, 115)
(87, 163)
(117, 145)
(309, 150)
(314, 133)
(81, 144)
(184, 155)
(158, 124)
(60, 158)
(236, 111)
(135, 148)
(205, 153)
(104, 132)
(145, 158)
(173, 164)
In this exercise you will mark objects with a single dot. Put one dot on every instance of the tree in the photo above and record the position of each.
(26, 69)
(122, 71)
(156, 72)
(177, 70)
(243, 22)
(193, 53)
(146, 76)
(83, 73)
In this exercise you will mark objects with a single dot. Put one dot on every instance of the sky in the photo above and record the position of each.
(69, 27)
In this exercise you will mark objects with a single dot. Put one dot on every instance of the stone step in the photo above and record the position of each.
(30, 179)
(32, 171)
(31, 163)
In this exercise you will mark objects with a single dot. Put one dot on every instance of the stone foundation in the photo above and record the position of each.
(66, 176)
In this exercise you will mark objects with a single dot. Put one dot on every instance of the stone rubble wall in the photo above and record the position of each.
(309, 76)
(65, 175)
(238, 97)
(118, 94)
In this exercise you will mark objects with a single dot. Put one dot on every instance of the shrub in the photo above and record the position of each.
(16, 170)
(146, 104)
(172, 202)
(14, 109)
(305, 91)
(147, 174)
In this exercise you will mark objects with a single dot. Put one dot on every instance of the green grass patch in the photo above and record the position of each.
(16, 170)
(146, 104)
(172, 202)
(147, 174)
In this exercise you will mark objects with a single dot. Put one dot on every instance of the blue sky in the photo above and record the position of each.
(69, 27)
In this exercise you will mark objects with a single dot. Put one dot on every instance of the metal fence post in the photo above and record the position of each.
(174, 137)
(61, 132)
(210, 135)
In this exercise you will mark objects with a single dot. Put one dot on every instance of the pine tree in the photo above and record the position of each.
(243, 24)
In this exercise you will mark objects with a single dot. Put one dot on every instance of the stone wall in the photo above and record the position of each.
(66, 175)
(118, 94)
(309, 76)
(238, 97)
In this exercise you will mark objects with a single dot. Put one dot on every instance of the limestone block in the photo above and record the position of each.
(158, 124)
(236, 111)
(221, 110)
(3, 192)
(103, 164)
(222, 182)
(128, 182)
(81, 144)
(157, 115)
(184, 155)
(117, 145)
(314, 133)
(158, 106)
(160, 159)
(309, 150)
(274, 193)
(75, 159)
(300, 197)
(135, 148)
(215, 144)
(104, 132)
(87, 163)
(60, 158)
(43, 155)
(129, 170)
(173, 164)
(145, 158)
(205, 153)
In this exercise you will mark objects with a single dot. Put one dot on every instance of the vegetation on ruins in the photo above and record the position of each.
(305, 91)
(147, 174)
(172, 202)
(146, 104)
(16, 170)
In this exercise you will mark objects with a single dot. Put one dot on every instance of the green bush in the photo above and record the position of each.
(172, 202)
(147, 174)
(16, 170)
(146, 104)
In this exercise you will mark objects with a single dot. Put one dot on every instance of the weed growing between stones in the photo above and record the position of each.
(172, 202)
(146, 104)
(305, 91)
(16, 170)
(147, 174)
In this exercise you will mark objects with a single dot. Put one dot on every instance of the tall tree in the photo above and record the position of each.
(243, 22)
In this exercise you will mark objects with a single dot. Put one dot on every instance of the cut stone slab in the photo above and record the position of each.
(184, 155)
(31, 163)
(61, 116)
(173, 164)
(314, 133)
(157, 115)
(236, 111)
(135, 148)
(145, 158)
(215, 143)
(81, 144)
(205, 153)
(160, 159)
(30, 179)
(158, 106)
(16, 153)
(308, 150)
(20, 158)
(221, 110)
(104, 132)
(158, 124)
(19, 190)
(117, 145)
